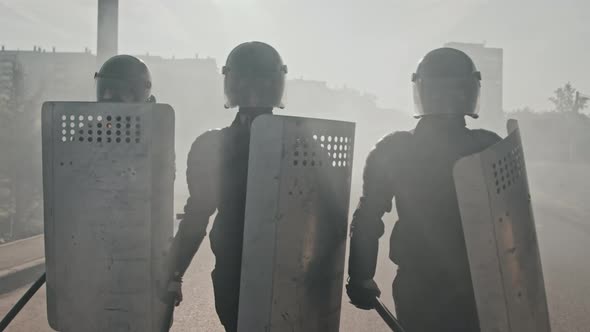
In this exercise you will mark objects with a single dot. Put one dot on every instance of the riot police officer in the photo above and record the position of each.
(432, 289)
(217, 173)
(124, 78)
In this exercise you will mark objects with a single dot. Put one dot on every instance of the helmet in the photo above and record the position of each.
(446, 83)
(254, 76)
(123, 78)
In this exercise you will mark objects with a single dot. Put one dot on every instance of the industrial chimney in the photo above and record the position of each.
(108, 30)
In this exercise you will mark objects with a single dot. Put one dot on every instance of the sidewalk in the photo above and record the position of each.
(21, 262)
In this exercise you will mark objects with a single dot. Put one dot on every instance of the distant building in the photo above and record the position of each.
(193, 86)
(65, 75)
(489, 62)
(189, 84)
(69, 75)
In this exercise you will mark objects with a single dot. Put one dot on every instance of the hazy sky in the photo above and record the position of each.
(371, 45)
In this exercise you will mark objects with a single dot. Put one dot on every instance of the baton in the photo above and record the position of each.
(169, 314)
(21, 303)
(387, 316)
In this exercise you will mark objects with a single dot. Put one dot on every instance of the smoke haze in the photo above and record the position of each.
(371, 45)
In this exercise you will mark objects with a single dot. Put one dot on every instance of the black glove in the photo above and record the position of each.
(171, 291)
(362, 293)
(175, 287)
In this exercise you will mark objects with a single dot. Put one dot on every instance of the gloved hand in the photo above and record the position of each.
(171, 291)
(362, 293)
(175, 288)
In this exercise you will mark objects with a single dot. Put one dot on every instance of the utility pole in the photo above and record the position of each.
(108, 30)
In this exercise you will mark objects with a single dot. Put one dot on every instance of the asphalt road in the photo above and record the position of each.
(560, 196)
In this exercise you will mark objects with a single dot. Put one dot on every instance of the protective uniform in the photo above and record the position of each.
(432, 289)
(124, 78)
(217, 174)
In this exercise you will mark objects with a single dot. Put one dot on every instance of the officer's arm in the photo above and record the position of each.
(367, 226)
(202, 175)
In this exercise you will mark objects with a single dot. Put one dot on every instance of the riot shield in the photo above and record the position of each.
(296, 224)
(108, 174)
(500, 236)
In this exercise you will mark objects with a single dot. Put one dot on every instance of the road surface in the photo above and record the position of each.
(561, 197)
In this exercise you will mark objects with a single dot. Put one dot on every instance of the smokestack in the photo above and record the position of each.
(108, 30)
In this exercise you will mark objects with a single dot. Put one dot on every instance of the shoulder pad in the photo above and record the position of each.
(486, 137)
(209, 137)
(393, 140)
(207, 146)
(392, 145)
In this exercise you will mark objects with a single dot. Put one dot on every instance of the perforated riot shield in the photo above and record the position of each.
(296, 224)
(500, 236)
(108, 173)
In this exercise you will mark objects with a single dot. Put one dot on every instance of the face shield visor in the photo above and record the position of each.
(254, 89)
(115, 89)
(447, 96)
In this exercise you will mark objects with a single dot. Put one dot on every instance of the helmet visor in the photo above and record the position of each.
(111, 89)
(434, 96)
(254, 90)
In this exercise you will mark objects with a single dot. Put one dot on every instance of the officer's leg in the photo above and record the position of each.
(425, 306)
(226, 287)
(411, 305)
(459, 314)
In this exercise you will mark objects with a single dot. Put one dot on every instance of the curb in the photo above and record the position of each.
(21, 262)
(18, 276)
(17, 242)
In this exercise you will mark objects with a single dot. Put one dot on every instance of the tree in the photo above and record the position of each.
(565, 99)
